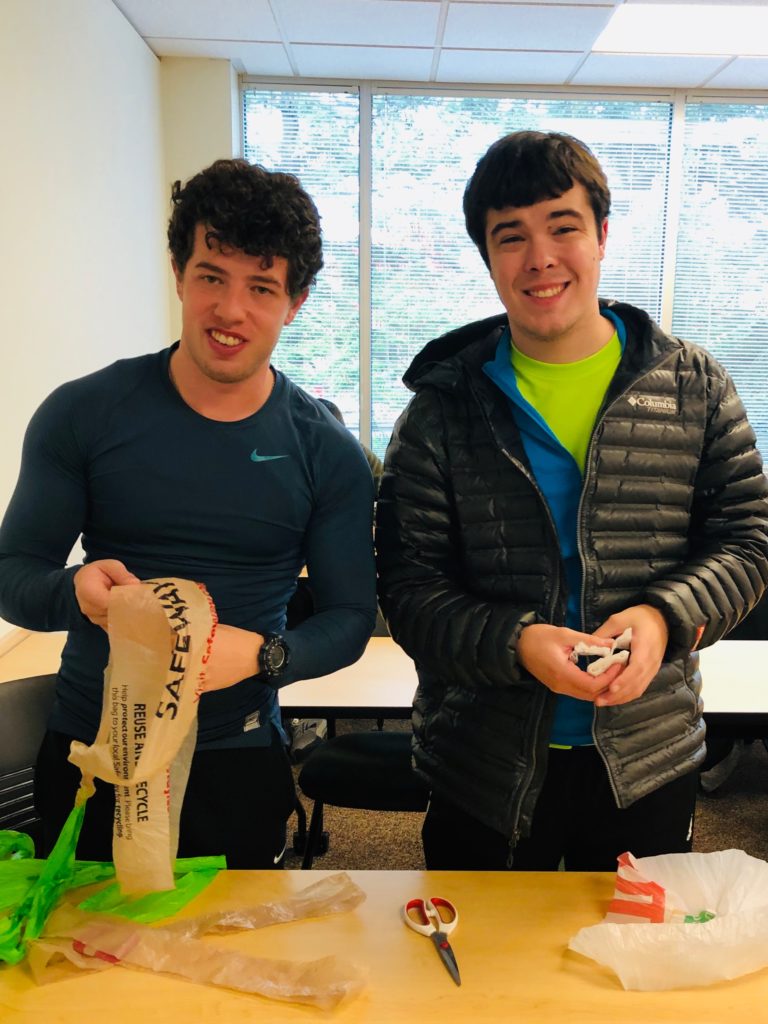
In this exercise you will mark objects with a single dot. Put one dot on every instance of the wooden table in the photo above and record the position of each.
(380, 685)
(510, 943)
(735, 687)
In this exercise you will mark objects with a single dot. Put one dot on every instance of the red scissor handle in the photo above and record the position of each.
(433, 915)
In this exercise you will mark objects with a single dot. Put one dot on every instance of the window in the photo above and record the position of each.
(406, 271)
(316, 136)
(721, 279)
(427, 276)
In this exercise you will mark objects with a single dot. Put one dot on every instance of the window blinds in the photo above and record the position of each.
(426, 274)
(315, 135)
(721, 277)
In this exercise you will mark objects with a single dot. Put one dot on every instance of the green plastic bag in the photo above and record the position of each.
(30, 888)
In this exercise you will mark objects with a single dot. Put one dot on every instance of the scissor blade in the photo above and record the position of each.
(443, 947)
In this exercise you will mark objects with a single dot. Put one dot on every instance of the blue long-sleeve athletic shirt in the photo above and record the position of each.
(120, 458)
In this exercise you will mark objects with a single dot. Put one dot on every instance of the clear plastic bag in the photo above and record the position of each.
(96, 942)
(723, 896)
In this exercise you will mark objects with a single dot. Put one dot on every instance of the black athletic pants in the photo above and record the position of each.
(237, 803)
(576, 821)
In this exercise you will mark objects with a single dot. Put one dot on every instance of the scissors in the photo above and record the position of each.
(435, 917)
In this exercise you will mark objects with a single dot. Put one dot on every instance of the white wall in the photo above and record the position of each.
(82, 203)
(201, 123)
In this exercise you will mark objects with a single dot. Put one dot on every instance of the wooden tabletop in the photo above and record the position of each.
(23, 653)
(510, 944)
(384, 679)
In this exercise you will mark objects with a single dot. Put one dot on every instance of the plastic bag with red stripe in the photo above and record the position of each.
(682, 920)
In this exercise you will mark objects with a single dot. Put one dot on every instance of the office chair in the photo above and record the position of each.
(24, 708)
(364, 770)
(370, 771)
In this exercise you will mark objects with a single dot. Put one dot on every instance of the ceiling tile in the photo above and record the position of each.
(505, 67)
(524, 26)
(390, 63)
(254, 58)
(559, 3)
(653, 71)
(191, 19)
(361, 22)
(743, 73)
(708, 3)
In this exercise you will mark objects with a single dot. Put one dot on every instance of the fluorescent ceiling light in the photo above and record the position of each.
(732, 29)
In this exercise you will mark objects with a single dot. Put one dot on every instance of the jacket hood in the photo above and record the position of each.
(440, 363)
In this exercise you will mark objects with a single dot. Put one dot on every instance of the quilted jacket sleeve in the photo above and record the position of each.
(726, 571)
(430, 611)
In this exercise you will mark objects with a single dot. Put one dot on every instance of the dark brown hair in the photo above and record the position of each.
(243, 206)
(525, 167)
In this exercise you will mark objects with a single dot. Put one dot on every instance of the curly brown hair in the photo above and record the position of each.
(244, 206)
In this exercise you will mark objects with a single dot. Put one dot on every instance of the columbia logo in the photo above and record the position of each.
(653, 403)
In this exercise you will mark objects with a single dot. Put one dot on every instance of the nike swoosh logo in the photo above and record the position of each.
(255, 457)
(279, 857)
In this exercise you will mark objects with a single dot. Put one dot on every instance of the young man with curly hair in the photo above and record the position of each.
(565, 472)
(205, 462)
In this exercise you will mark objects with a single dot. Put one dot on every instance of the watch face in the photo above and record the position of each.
(276, 657)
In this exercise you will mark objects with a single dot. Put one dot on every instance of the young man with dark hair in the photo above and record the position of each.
(203, 462)
(565, 472)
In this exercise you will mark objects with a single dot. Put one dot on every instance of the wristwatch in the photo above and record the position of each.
(273, 656)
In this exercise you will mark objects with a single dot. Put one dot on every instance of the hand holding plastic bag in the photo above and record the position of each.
(672, 953)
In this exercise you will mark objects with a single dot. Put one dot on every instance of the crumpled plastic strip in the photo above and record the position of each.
(641, 900)
(95, 943)
(20, 869)
(26, 921)
(192, 875)
(335, 894)
(617, 654)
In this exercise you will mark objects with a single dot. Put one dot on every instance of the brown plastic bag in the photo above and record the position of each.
(160, 635)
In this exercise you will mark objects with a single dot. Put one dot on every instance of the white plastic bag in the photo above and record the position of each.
(646, 957)
(160, 635)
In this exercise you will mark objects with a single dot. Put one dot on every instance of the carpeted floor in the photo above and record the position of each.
(735, 816)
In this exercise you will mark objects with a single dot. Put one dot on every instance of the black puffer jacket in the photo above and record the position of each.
(673, 514)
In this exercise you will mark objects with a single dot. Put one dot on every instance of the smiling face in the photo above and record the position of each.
(545, 263)
(233, 309)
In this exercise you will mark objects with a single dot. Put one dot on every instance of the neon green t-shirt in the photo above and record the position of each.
(568, 396)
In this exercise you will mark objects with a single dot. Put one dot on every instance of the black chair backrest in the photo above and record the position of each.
(24, 708)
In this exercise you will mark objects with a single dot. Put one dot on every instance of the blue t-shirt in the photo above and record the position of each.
(240, 507)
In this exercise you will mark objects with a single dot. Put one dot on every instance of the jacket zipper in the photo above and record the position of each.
(579, 540)
(531, 773)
